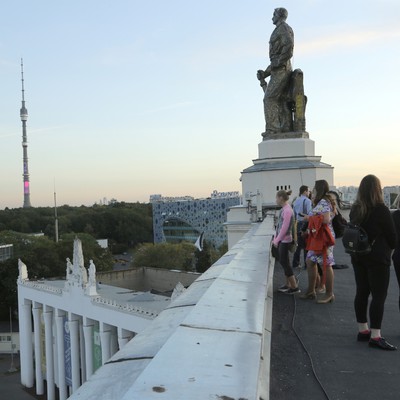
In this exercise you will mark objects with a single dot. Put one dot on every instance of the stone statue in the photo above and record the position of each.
(284, 100)
(178, 290)
(22, 271)
(91, 288)
(83, 276)
(92, 274)
(79, 269)
(69, 270)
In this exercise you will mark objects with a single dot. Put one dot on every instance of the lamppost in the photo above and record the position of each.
(12, 368)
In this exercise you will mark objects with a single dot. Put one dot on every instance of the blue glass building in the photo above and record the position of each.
(177, 219)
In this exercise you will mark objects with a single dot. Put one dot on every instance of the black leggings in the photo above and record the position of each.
(372, 280)
(283, 252)
(396, 264)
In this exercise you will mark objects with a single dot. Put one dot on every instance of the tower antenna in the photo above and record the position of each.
(24, 117)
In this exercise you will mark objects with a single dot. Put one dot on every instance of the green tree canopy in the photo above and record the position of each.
(44, 259)
(165, 255)
(183, 256)
(124, 224)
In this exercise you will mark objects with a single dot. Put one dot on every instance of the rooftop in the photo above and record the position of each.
(223, 339)
(112, 296)
(314, 351)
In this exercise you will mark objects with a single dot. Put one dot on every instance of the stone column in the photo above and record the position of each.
(25, 337)
(62, 386)
(74, 332)
(88, 335)
(55, 351)
(82, 353)
(48, 324)
(37, 308)
(124, 337)
(105, 336)
(114, 341)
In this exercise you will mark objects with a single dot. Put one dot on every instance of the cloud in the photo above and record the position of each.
(6, 135)
(348, 40)
(35, 131)
(48, 129)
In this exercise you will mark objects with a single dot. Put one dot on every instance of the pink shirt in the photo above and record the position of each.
(283, 233)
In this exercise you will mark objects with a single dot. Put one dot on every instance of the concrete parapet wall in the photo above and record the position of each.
(211, 342)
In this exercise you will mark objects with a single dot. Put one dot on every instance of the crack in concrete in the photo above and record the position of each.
(129, 359)
(219, 329)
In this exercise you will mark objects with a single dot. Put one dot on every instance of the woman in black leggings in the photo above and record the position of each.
(372, 271)
(396, 253)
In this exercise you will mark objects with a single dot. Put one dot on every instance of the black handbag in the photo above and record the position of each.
(274, 252)
(355, 240)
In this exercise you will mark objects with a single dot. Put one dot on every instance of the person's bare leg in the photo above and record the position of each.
(329, 296)
(312, 273)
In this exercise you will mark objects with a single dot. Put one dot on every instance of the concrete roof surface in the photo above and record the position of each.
(144, 300)
(346, 369)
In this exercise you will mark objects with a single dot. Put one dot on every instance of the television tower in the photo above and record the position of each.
(24, 117)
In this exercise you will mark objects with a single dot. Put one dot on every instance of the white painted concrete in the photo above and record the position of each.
(26, 346)
(238, 223)
(36, 310)
(282, 148)
(48, 322)
(60, 352)
(284, 164)
(207, 343)
(84, 304)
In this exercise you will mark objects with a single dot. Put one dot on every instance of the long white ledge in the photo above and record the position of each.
(212, 342)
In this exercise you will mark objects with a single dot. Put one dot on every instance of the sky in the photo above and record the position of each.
(129, 98)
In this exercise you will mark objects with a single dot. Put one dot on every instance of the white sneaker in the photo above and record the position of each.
(283, 289)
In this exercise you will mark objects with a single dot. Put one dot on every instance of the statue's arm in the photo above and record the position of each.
(261, 74)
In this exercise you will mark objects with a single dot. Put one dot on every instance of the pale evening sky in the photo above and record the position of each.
(129, 98)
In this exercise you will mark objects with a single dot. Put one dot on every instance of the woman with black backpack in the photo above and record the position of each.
(372, 270)
(396, 253)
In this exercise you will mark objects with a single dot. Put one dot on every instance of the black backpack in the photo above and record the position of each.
(355, 240)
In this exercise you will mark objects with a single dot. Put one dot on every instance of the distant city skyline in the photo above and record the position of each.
(131, 98)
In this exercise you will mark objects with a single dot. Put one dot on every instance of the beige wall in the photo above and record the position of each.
(5, 347)
(144, 279)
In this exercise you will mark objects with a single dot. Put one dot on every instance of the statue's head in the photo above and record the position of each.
(281, 13)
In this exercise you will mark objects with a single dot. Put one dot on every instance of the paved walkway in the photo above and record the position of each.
(10, 383)
(345, 369)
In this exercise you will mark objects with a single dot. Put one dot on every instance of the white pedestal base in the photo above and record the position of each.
(282, 164)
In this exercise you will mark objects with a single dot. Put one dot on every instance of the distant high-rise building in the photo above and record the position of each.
(390, 194)
(349, 194)
(24, 117)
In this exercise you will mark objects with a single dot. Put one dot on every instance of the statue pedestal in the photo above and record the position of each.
(283, 164)
(284, 148)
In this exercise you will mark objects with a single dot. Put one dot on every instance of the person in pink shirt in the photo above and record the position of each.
(282, 240)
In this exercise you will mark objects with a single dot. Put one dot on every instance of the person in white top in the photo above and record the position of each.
(301, 206)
